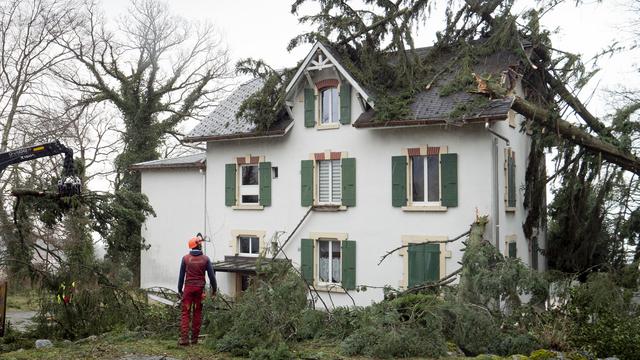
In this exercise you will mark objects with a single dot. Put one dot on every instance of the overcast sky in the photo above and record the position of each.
(262, 29)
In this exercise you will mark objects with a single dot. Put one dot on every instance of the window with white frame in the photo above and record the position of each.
(248, 245)
(329, 261)
(249, 184)
(329, 182)
(425, 180)
(329, 106)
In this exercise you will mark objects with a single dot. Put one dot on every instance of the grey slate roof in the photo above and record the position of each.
(431, 108)
(189, 161)
(222, 123)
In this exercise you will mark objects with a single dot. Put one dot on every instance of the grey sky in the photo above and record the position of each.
(262, 29)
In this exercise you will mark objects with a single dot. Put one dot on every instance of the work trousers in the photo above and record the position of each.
(191, 299)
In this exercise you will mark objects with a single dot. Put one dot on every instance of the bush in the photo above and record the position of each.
(342, 322)
(610, 335)
(269, 312)
(312, 324)
(605, 320)
(404, 327)
(279, 352)
(514, 344)
(96, 310)
(472, 328)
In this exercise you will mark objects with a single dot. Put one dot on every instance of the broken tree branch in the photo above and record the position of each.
(426, 242)
(293, 232)
(564, 93)
(444, 281)
(576, 135)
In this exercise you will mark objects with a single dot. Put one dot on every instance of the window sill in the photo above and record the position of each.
(329, 126)
(329, 208)
(510, 209)
(412, 208)
(247, 207)
(333, 288)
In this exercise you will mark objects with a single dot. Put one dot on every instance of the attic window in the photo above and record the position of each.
(330, 107)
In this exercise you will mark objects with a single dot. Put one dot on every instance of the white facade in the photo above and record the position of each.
(373, 223)
(177, 197)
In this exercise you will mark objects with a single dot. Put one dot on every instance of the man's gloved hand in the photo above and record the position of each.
(213, 293)
(180, 294)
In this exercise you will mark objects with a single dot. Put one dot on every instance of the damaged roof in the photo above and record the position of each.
(198, 161)
(433, 106)
(429, 107)
(222, 123)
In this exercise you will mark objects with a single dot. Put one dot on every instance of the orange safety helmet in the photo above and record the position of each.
(194, 242)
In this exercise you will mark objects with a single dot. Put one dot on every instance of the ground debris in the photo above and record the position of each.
(146, 357)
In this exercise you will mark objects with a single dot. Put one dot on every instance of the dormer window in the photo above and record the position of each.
(329, 105)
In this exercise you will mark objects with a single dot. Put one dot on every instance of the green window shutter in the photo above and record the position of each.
(511, 172)
(230, 184)
(349, 182)
(432, 262)
(345, 103)
(424, 263)
(513, 252)
(306, 180)
(265, 183)
(416, 265)
(309, 108)
(449, 179)
(349, 265)
(399, 181)
(306, 259)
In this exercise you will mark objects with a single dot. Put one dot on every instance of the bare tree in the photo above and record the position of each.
(157, 69)
(28, 51)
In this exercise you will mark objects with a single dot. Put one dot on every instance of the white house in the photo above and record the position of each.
(176, 191)
(365, 186)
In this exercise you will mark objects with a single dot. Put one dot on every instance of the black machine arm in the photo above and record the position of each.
(69, 183)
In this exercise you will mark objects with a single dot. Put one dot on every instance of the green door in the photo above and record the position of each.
(424, 263)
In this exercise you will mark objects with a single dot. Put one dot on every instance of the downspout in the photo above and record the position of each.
(204, 207)
(496, 187)
(496, 200)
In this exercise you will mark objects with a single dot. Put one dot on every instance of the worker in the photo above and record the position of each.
(192, 270)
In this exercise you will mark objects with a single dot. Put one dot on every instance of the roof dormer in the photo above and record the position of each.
(327, 88)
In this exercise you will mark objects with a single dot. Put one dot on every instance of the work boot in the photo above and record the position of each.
(194, 341)
(183, 341)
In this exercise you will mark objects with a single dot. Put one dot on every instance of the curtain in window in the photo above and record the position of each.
(336, 268)
(323, 263)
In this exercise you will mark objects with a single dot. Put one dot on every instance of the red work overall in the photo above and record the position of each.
(195, 268)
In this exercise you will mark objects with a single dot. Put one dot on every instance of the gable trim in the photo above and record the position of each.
(303, 69)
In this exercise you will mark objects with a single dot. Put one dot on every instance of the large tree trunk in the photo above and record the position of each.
(576, 135)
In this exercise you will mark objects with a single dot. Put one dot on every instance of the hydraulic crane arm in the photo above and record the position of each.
(69, 184)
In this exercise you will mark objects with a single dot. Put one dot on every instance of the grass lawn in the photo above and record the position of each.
(22, 301)
(114, 346)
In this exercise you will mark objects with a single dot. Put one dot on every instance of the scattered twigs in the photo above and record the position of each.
(429, 242)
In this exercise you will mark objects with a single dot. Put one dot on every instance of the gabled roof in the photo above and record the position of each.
(334, 57)
(197, 161)
(222, 123)
(433, 106)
